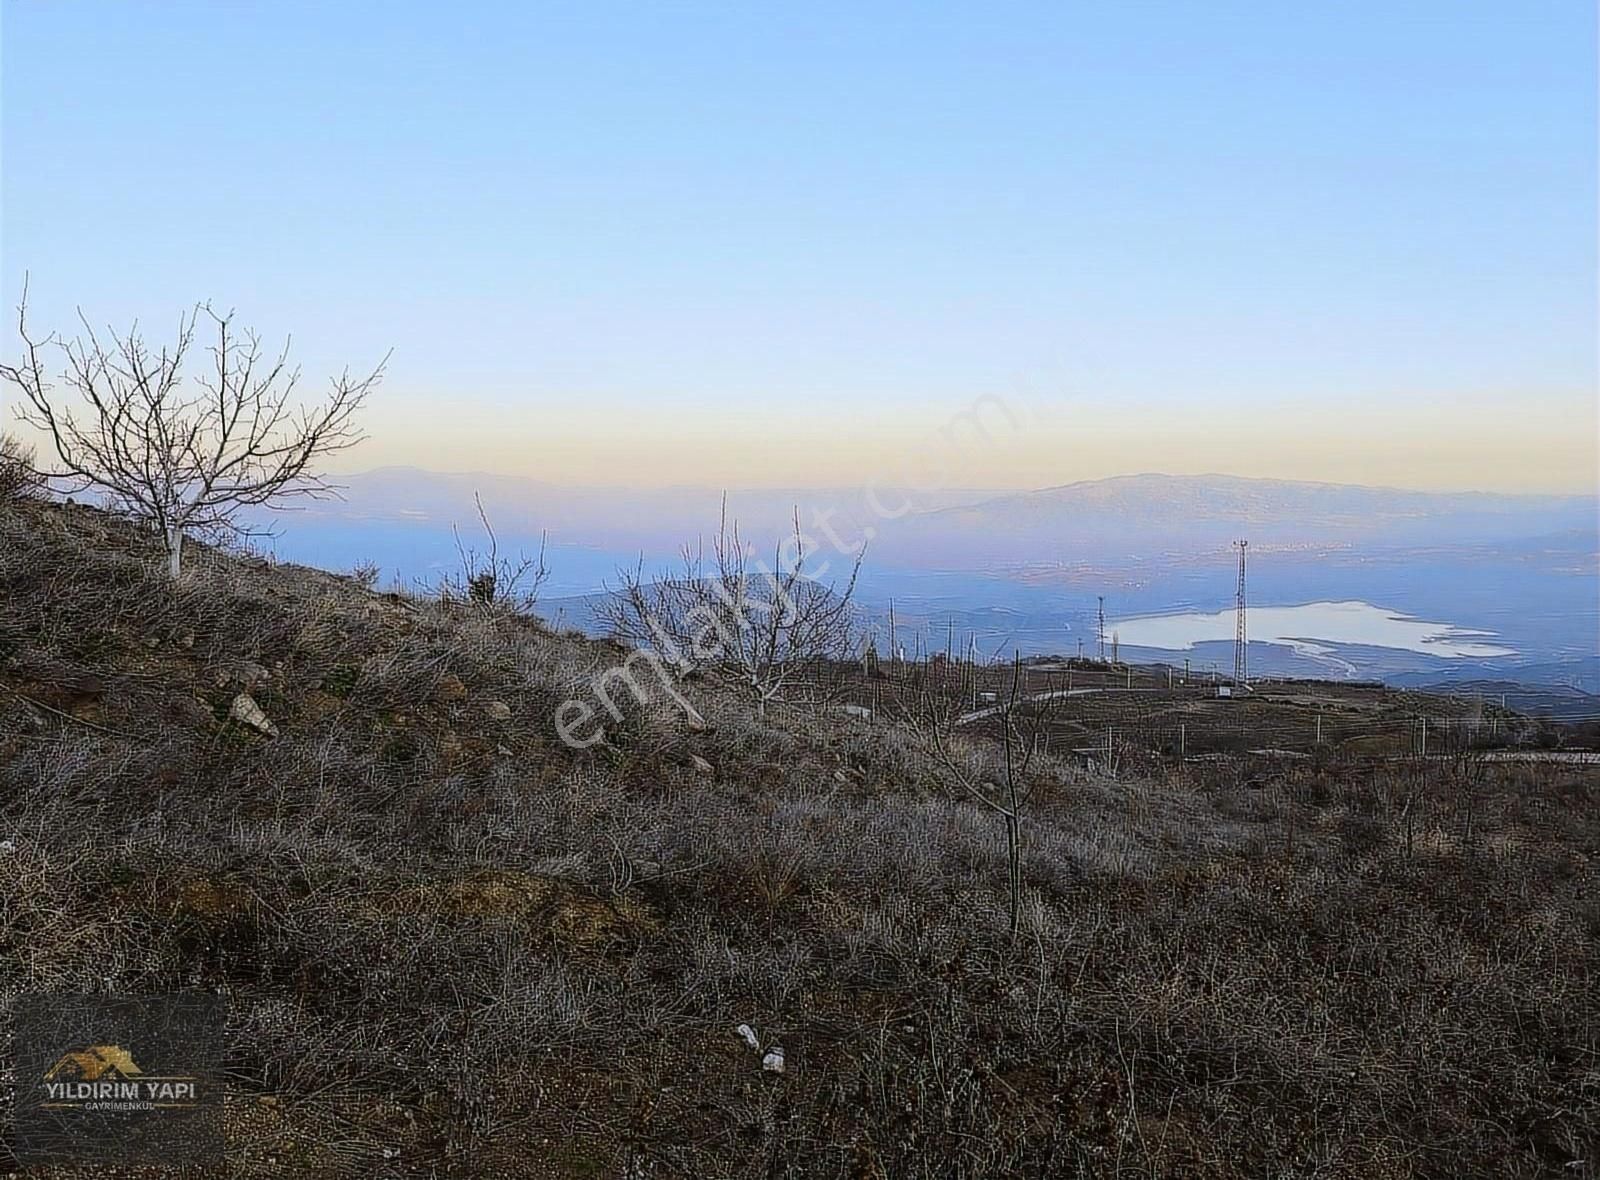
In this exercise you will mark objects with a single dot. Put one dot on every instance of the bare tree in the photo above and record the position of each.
(493, 581)
(17, 478)
(759, 628)
(995, 778)
(186, 462)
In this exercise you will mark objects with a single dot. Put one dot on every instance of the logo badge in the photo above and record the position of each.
(119, 1079)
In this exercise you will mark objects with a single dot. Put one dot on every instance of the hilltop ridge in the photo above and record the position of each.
(544, 954)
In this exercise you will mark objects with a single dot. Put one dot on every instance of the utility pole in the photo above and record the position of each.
(1240, 639)
(1319, 728)
(1102, 598)
(1183, 742)
(894, 650)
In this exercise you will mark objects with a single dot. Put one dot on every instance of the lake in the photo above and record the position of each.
(1311, 628)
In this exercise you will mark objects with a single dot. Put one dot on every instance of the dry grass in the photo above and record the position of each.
(452, 946)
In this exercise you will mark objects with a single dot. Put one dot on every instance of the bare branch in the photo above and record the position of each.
(491, 581)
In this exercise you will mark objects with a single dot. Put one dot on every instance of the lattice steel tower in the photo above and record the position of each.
(1240, 639)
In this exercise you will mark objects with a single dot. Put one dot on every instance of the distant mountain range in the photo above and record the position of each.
(1134, 515)
(1151, 514)
(1026, 569)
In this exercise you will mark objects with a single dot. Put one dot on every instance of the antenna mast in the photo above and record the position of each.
(1240, 641)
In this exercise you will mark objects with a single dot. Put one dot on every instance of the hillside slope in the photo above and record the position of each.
(454, 946)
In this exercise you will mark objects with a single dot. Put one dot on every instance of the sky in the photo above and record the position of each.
(747, 245)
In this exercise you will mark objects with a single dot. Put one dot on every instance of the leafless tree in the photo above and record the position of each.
(494, 581)
(993, 774)
(17, 467)
(761, 628)
(123, 423)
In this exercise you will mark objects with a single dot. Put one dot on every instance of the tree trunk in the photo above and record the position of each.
(174, 550)
(1014, 868)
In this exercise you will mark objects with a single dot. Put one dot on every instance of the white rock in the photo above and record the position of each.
(773, 1061)
(749, 1036)
(246, 712)
(701, 764)
(498, 711)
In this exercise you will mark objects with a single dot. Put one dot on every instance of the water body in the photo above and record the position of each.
(1315, 629)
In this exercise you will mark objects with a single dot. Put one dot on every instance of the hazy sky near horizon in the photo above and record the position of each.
(730, 244)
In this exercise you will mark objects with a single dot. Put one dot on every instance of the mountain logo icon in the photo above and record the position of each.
(93, 1063)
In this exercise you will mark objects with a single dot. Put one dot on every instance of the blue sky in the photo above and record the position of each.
(658, 243)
